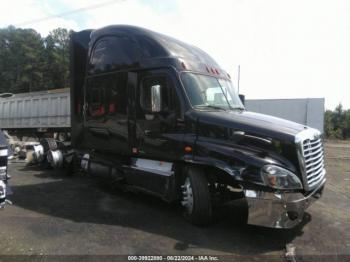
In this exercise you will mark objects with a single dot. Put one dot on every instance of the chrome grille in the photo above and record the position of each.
(311, 158)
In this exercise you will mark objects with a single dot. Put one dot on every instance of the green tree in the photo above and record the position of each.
(346, 128)
(29, 62)
(337, 123)
(21, 61)
(328, 123)
(57, 58)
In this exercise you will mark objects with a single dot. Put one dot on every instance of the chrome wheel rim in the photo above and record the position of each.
(187, 196)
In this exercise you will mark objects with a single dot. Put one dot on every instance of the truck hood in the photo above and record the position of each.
(261, 125)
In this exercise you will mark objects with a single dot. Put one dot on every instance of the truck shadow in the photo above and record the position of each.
(79, 199)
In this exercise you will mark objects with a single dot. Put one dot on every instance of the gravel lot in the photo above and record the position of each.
(57, 215)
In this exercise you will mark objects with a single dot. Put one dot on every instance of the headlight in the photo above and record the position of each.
(280, 178)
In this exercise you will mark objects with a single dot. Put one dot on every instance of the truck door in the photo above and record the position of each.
(159, 134)
(106, 120)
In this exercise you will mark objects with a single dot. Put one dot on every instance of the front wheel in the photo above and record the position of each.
(196, 198)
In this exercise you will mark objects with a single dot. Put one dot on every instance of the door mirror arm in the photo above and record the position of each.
(242, 98)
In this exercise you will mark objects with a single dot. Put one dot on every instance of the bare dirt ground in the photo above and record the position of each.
(57, 215)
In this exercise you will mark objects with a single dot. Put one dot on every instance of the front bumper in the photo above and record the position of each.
(279, 210)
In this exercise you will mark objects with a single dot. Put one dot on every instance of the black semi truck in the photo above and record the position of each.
(161, 116)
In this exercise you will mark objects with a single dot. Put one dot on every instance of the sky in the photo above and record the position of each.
(285, 49)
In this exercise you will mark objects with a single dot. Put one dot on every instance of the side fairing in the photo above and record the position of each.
(79, 44)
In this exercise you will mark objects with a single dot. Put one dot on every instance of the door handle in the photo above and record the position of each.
(122, 122)
(99, 131)
(180, 122)
(147, 132)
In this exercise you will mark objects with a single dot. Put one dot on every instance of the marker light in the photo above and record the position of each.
(188, 149)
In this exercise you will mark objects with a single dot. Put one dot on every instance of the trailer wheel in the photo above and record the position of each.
(62, 136)
(196, 198)
(48, 144)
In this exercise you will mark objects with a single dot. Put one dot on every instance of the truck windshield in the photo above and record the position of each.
(211, 92)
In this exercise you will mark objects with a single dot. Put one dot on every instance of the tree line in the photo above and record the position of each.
(337, 123)
(30, 62)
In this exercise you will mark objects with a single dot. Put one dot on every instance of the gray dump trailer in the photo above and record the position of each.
(39, 111)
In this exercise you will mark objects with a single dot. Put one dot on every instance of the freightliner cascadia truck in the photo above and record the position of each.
(162, 117)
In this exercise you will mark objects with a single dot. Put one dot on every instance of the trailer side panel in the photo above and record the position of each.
(46, 109)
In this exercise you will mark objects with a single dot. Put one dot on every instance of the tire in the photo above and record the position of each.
(62, 137)
(48, 144)
(196, 185)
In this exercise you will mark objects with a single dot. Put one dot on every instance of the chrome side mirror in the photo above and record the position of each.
(156, 100)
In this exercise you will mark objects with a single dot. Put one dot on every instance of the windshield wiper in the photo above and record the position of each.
(211, 106)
